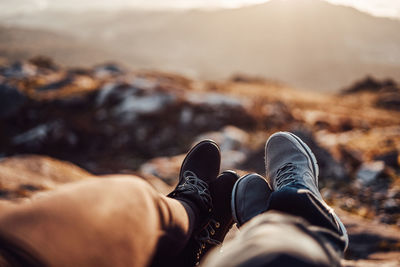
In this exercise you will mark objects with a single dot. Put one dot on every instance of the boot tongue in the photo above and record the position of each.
(308, 182)
(301, 181)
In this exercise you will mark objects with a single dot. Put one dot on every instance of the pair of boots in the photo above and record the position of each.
(219, 200)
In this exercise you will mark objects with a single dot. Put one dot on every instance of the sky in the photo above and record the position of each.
(386, 8)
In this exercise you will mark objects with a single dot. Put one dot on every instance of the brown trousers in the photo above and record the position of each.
(99, 222)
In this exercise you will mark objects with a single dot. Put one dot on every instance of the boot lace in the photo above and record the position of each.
(285, 175)
(205, 238)
(194, 189)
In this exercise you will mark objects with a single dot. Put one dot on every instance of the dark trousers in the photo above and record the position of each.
(125, 222)
(297, 230)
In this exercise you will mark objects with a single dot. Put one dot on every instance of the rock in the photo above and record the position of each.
(41, 136)
(143, 83)
(108, 70)
(244, 78)
(352, 159)
(133, 106)
(126, 102)
(392, 206)
(37, 134)
(389, 158)
(213, 99)
(254, 161)
(165, 168)
(20, 70)
(276, 114)
(369, 241)
(64, 81)
(25, 176)
(11, 101)
(233, 143)
(48, 138)
(232, 159)
(387, 92)
(368, 84)
(389, 100)
(43, 62)
(22, 176)
(229, 138)
(326, 121)
(211, 111)
(370, 171)
(394, 193)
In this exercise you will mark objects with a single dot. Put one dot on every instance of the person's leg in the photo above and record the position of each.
(275, 239)
(111, 221)
(108, 222)
(221, 221)
(292, 172)
(296, 227)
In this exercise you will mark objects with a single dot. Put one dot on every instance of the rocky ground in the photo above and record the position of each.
(110, 120)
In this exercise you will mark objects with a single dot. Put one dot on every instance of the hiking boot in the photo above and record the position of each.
(292, 168)
(199, 168)
(218, 224)
(221, 219)
(250, 197)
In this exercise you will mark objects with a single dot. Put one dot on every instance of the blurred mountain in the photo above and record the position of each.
(18, 43)
(306, 43)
